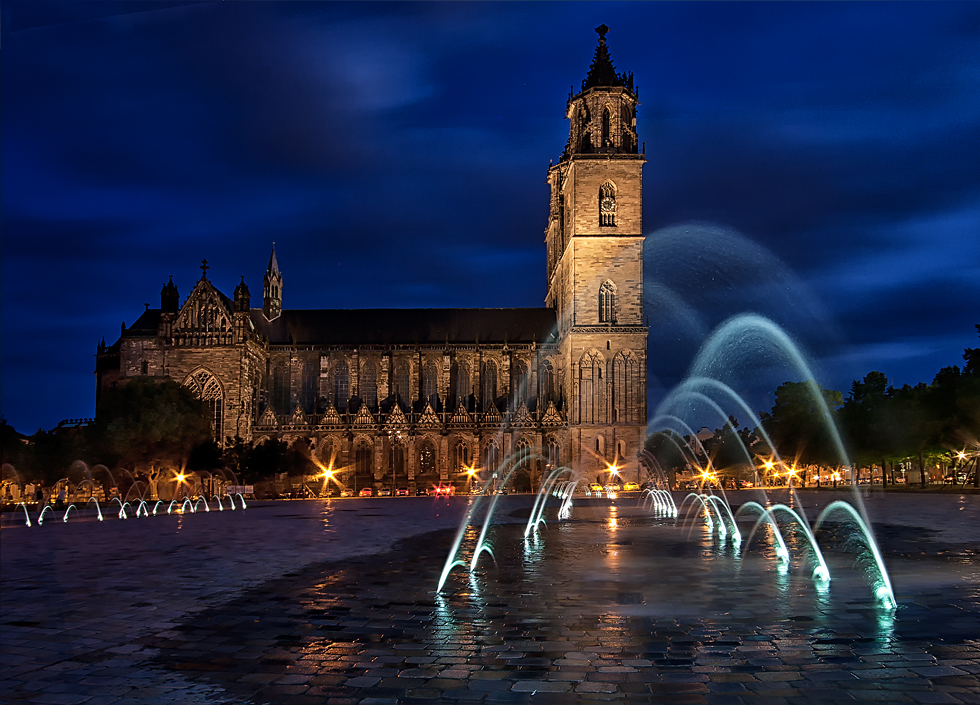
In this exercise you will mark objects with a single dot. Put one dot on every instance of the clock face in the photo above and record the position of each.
(607, 205)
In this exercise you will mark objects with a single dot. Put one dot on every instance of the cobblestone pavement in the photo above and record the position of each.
(612, 605)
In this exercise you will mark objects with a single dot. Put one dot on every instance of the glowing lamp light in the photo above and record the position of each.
(180, 477)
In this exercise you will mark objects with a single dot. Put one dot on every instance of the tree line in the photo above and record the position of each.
(880, 425)
(146, 427)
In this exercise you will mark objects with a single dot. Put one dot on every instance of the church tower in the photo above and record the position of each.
(595, 270)
(272, 288)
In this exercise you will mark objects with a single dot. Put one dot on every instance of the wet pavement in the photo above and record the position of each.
(335, 602)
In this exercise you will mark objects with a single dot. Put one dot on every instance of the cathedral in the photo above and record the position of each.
(416, 397)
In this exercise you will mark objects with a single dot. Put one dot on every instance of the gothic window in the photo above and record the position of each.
(325, 453)
(519, 381)
(311, 374)
(427, 461)
(586, 142)
(400, 385)
(626, 121)
(397, 460)
(607, 204)
(523, 449)
(369, 384)
(364, 463)
(591, 389)
(546, 378)
(280, 389)
(461, 457)
(430, 383)
(459, 384)
(491, 456)
(489, 391)
(341, 385)
(607, 302)
(606, 141)
(206, 387)
(624, 388)
(553, 453)
(145, 368)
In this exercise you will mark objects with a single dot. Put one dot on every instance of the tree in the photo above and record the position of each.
(798, 427)
(149, 426)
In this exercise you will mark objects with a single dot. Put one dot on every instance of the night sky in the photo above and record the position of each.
(818, 164)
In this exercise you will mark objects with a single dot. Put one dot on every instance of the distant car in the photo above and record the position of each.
(366, 492)
(384, 492)
(595, 488)
(502, 490)
(614, 487)
(422, 492)
(401, 492)
(346, 493)
(444, 491)
(631, 487)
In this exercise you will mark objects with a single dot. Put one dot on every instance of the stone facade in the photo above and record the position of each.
(414, 397)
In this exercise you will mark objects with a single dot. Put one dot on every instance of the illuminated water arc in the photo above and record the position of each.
(782, 553)
(539, 502)
(684, 425)
(726, 514)
(519, 462)
(724, 417)
(883, 588)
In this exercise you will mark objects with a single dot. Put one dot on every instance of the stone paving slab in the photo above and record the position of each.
(592, 610)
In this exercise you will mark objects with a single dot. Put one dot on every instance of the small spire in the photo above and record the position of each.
(204, 269)
(273, 263)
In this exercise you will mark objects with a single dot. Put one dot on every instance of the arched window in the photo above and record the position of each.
(369, 384)
(427, 462)
(207, 388)
(430, 383)
(341, 386)
(523, 449)
(280, 389)
(364, 464)
(491, 456)
(546, 380)
(459, 384)
(624, 388)
(325, 452)
(553, 452)
(461, 457)
(626, 126)
(311, 373)
(606, 141)
(400, 384)
(519, 381)
(607, 204)
(397, 461)
(591, 391)
(489, 392)
(607, 302)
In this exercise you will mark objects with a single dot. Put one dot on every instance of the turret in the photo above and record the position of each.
(169, 298)
(242, 297)
(272, 288)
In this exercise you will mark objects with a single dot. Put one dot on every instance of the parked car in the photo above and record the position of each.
(595, 488)
(444, 491)
(366, 492)
(346, 492)
(422, 492)
(631, 487)
(401, 492)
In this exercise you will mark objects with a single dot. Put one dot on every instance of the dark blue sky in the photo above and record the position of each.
(816, 163)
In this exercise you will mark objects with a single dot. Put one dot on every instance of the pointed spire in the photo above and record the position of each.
(273, 263)
(602, 72)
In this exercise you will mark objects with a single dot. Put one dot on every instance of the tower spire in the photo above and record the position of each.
(272, 288)
(602, 72)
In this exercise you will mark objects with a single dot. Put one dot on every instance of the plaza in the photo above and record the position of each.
(334, 601)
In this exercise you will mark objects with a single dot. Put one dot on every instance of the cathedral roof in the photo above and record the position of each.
(393, 326)
(602, 72)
